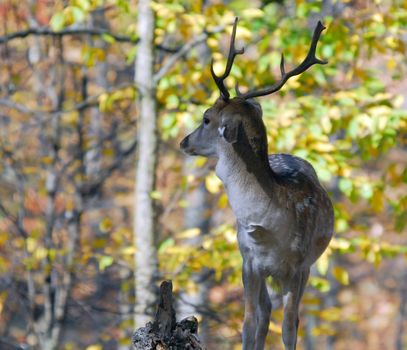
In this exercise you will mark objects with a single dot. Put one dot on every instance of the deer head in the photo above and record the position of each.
(238, 121)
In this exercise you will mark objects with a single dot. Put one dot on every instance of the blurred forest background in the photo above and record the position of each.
(98, 204)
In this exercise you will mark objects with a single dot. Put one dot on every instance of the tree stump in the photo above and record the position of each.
(164, 333)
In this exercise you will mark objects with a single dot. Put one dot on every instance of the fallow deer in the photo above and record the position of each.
(284, 215)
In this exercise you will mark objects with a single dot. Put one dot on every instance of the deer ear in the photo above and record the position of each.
(229, 129)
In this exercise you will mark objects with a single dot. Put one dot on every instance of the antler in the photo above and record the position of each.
(309, 60)
(231, 56)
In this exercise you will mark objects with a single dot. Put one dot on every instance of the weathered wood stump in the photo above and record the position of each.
(164, 333)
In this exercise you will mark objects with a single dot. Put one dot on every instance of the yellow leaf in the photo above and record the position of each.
(323, 263)
(155, 194)
(47, 160)
(323, 147)
(392, 42)
(341, 275)
(398, 101)
(331, 314)
(190, 233)
(29, 170)
(378, 17)
(31, 244)
(200, 162)
(4, 237)
(183, 203)
(311, 300)
(223, 201)
(105, 225)
(70, 118)
(340, 243)
(218, 67)
(129, 250)
(40, 253)
(231, 236)
(252, 13)
(323, 329)
(213, 43)
(274, 327)
(378, 201)
(103, 99)
(94, 347)
(391, 64)
(207, 244)
(212, 183)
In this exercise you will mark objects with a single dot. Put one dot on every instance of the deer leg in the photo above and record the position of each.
(263, 312)
(252, 283)
(292, 299)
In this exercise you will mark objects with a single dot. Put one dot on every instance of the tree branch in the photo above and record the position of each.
(20, 108)
(13, 220)
(91, 187)
(90, 101)
(183, 51)
(46, 31)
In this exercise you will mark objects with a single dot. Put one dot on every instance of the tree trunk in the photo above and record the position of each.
(146, 266)
(196, 216)
(164, 332)
(93, 155)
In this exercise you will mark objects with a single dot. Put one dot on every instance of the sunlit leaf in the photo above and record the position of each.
(94, 347)
(190, 233)
(341, 275)
(105, 261)
(106, 225)
(213, 183)
(57, 21)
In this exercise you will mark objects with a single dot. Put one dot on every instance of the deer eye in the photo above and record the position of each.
(206, 121)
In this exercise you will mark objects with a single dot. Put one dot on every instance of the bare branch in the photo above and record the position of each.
(91, 187)
(183, 51)
(14, 220)
(89, 102)
(19, 107)
(46, 31)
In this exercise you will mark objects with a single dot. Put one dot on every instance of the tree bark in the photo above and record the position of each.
(164, 333)
(146, 265)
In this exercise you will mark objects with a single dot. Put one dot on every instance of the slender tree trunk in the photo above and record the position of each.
(310, 323)
(196, 216)
(146, 269)
(49, 326)
(93, 155)
(401, 319)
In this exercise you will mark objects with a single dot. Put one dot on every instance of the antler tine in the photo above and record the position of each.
(308, 61)
(233, 52)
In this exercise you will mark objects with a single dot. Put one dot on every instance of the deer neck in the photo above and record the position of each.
(249, 183)
(236, 162)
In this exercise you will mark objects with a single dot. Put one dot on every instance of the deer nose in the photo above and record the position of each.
(184, 143)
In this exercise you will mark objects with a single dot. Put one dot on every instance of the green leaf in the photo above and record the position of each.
(57, 21)
(346, 186)
(169, 242)
(319, 283)
(105, 261)
(78, 14)
(108, 38)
